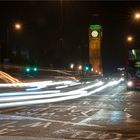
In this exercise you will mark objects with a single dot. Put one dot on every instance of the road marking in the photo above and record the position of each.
(83, 113)
(135, 138)
(47, 124)
(125, 109)
(76, 134)
(71, 107)
(74, 119)
(36, 124)
(87, 119)
(91, 135)
(44, 114)
(116, 136)
(51, 114)
(3, 131)
(89, 111)
(9, 123)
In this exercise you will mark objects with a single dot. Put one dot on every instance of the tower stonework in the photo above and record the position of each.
(95, 58)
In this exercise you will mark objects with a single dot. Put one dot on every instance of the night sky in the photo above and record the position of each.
(56, 32)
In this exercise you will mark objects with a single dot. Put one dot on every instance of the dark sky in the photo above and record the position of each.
(56, 32)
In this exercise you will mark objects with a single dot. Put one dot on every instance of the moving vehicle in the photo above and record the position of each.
(133, 69)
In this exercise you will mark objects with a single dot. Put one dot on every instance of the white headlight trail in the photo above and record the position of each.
(91, 86)
(51, 91)
(28, 93)
(69, 97)
(36, 84)
(60, 87)
(31, 97)
(29, 84)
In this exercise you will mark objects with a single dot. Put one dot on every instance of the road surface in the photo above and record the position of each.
(110, 113)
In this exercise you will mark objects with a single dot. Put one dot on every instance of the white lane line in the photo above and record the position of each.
(74, 119)
(87, 119)
(90, 136)
(89, 111)
(84, 114)
(76, 134)
(47, 124)
(14, 117)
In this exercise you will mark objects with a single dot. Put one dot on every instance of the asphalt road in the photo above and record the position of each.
(112, 113)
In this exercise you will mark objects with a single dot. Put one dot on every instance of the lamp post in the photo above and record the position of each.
(14, 26)
(5, 47)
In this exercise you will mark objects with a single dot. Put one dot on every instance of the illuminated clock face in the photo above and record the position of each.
(94, 33)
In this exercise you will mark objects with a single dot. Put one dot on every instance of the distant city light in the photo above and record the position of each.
(72, 66)
(100, 73)
(80, 67)
(129, 38)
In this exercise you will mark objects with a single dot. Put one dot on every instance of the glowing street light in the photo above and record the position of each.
(72, 66)
(80, 67)
(137, 16)
(18, 26)
(129, 39)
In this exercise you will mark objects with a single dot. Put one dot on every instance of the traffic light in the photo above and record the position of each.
(27, 69)
(35, 69)
(88, 67)
(31, 69)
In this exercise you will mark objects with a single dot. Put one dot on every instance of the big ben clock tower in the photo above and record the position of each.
(95, 59)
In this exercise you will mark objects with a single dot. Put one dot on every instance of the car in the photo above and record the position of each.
(133, 83)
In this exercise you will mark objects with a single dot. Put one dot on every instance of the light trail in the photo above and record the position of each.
(31, 97)
(28, 93)
(35, 84)
(17, 97)
(7, 78)
(29, 84)
(51, 100)
(60, 87)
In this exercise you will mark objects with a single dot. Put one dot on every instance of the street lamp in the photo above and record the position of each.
(137, 16)
(18, 26)
(130, 39)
